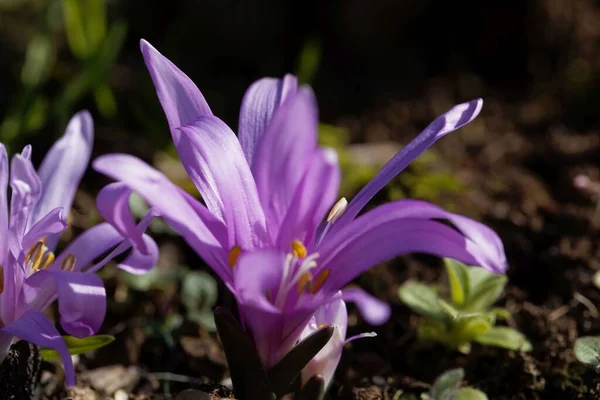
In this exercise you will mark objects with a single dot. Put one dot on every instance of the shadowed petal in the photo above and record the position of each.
(213, 158)
(34, 327)
(81, 299)
(113, 204)
(139, 263)
(373, 310)
(260, 102)
(26, 189)
(284, 154)
(51, 224)
(164, 197)
(452, 120)
(180, 98)
(313, 198)
(394, 229)
(62, 169)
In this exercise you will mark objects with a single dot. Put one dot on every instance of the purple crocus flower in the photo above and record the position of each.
(31, 276)
(268, 228)
(326, 360)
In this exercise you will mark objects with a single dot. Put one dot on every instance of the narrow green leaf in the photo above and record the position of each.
(285, 371)
(587, 350)
(505, 337)
(78, 346)
(500, 313)
(248, 375)
(486, 288)
(421, 299)
(469, 328)
(74, 27)
(447, 381)
(458, 278)
(448, 309)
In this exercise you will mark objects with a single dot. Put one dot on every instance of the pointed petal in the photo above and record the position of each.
(13, 276)
(81, 299)
(399, 228)
(313, 198)
(3, 202)
(26, 190)
(62, 169)
(373, 310)
(213, 159)
(180, 98)
(284, 155)
(34, 327)
(52, 223)
(259, 104)
(163, 196)
(452, 120)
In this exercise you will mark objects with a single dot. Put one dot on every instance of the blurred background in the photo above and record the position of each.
(381, 70)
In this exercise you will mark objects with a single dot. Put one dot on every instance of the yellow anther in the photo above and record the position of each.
(1, 279)
(319, 281)
(298, 249)
(322, 326)
(46, 260)
(35, 255)
(234, 254)
(337, 210)
(304, 282)
(69, 263)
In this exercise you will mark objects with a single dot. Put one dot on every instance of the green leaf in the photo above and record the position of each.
(39, 60)
(449, 309)
(309, 61)
(447, 381)
(199, 295)
(422, 299)
(458, 277)
(85, 25)
(78, 346)
(500, 313)
(468, 393)
(486, 288)
(587, 350)
(505, 337)
(433, 331)
(469, 328)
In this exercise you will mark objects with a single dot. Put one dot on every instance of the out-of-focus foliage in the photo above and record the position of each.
(587, 351)
(468, 315)
(93, 44)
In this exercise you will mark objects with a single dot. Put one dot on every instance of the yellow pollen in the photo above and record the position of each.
(39, 257)
(319, 281)
(69, 263)
(298, 249)
(1, 279)
(337, 210)
(47, 260)
(322, 326)
(234, 254)
(304, 282)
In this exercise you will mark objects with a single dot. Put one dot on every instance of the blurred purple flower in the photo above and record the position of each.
(266, 196)
(31, 277)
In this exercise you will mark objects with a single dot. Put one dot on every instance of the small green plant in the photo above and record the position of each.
(446, 387)
(468, 315)
(587, 351)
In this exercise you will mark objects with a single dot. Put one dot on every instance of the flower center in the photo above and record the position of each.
(297, 272)
(39, 258)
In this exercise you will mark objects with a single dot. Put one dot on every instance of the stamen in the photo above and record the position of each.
(234, 254)
(47, 260)
(304, 282)
(1, 279)
(337, 210)
(298, 249)
(320, 280)
(35, 253)
(69, 263)
(322, 325)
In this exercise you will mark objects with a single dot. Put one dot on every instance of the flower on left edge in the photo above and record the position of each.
(31, 220)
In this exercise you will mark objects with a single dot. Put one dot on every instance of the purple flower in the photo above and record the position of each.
(326, 360)
(31, 275)
(268, 229)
